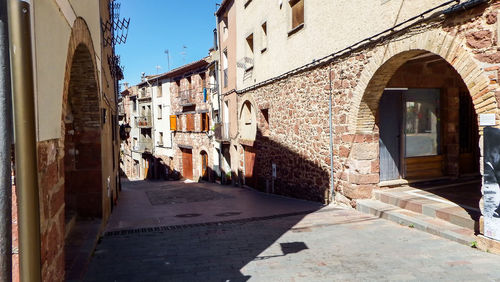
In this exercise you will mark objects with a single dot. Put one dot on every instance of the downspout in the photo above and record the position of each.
(219, 97)
(25, 139)
(5, 150)
(332, 186)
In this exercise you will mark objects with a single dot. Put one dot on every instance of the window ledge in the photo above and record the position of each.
(296, 29)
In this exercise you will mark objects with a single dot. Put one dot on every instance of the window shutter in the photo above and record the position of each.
(190, 122)
(173, 122)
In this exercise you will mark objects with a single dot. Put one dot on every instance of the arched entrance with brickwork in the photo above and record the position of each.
(427, 123)
(82, 142)
(423, 111)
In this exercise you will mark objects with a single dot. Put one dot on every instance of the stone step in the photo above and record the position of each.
(418, 221)
(440, 209)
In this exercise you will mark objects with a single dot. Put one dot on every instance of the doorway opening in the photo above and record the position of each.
(187, 163)
(429, 136)
(204, 166)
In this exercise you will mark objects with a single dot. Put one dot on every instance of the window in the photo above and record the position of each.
(264, 37)
(421, 116)
(190, 122)
(297, 7)
(225, 27)
(160, 139)
(247, 113)
(204, 122)
(250, 45)
(160, 112)
(224, 67)
(159, 90)
(173, 122)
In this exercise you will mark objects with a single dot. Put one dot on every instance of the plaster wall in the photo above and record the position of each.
(52, 22)
(329, 26)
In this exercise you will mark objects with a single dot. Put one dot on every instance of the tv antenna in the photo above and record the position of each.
(168, 59)
(184, 53)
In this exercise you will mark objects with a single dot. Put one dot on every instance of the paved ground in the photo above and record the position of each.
(329, 244)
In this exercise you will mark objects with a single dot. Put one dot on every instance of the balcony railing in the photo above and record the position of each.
(187, 96)
(145, 146)
(144, 94)
(222, 131)
(143, 122)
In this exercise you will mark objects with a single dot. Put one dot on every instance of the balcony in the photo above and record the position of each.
(121, 109)
(222, 132)
(144, 94)
(144, 146)
(187, 97)
(143, 122)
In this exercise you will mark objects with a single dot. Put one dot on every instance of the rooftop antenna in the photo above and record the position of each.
(183, 54)
(168, 59)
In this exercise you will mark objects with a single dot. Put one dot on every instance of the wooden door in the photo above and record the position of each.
(204, 165)
(249, 165)
(390, 135)
(187, 163)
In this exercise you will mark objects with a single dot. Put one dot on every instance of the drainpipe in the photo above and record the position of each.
(332, 188)
(25, 139)
(5, 150)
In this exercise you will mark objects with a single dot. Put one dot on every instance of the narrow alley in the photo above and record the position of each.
(208, 232)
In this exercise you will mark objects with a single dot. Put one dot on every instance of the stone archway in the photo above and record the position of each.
(387, 59)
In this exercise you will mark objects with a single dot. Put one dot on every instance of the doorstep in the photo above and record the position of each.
(418, 221)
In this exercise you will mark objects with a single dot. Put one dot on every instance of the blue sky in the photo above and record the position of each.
(158, 25)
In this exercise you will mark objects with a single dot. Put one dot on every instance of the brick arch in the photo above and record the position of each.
(81, 126)
(388, 58)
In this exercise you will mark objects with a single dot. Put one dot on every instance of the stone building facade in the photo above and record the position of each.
(449, 56)
(190, 96)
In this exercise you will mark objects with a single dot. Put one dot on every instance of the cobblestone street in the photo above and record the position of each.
(329, 244)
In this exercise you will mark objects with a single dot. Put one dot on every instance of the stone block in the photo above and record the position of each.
(365, 151)
(358, 191)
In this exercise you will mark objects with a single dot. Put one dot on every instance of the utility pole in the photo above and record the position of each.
(5, 149)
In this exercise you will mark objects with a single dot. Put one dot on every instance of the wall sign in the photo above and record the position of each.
(487, 119)
(491, 183)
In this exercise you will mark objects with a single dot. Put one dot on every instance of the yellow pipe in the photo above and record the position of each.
(25, 140)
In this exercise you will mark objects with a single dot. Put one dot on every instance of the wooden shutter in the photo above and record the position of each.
(190, 122)
(173, 122)
(297, 13)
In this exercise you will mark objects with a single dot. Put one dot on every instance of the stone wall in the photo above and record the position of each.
(52, 202)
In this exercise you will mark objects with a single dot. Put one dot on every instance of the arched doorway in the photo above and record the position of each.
(423, 115)
(82, 150)
(204, 165)
(427, 123)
